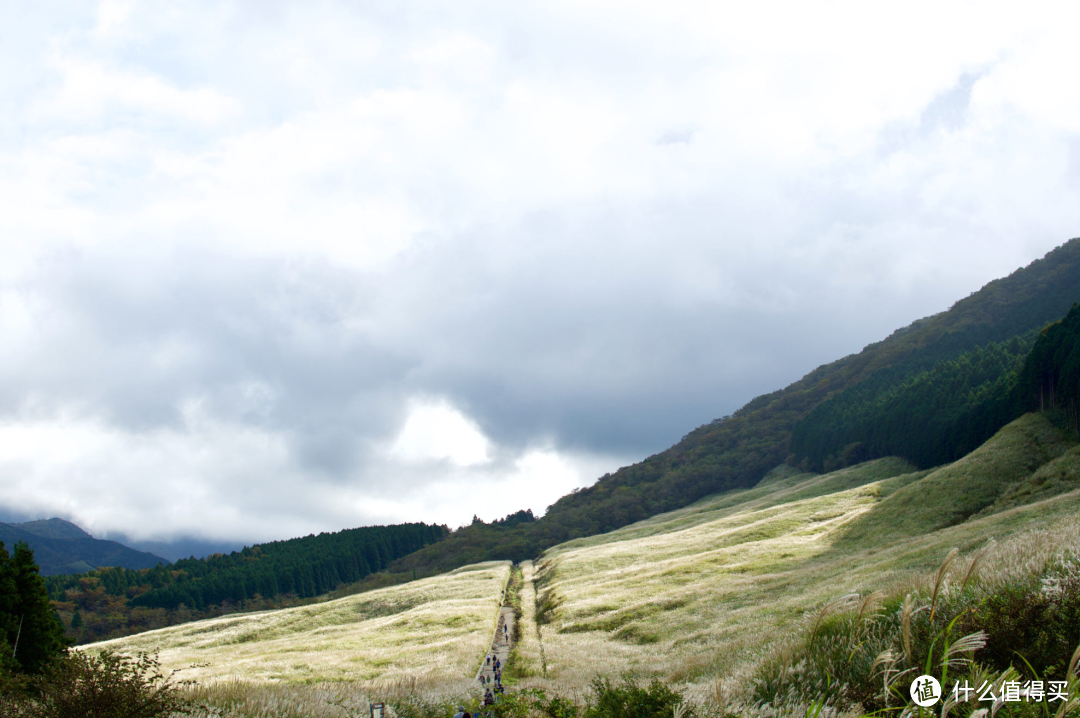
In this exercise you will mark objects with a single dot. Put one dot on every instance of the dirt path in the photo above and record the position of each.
(501, 643)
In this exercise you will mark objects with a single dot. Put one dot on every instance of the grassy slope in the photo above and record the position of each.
(434, 628)
(952, 493)
(710, 587)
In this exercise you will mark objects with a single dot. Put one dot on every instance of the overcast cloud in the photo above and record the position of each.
(276, 268)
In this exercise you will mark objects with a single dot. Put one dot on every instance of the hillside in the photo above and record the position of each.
(948, 377)
(712, 588)
(61, 547)
(433, 628)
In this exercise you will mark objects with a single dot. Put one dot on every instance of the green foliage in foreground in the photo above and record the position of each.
(865, 651)
(40, 679)
(103, 686)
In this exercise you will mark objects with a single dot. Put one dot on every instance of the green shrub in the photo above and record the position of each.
(108, 685)
(629, 700)
(557, 707)
(1033, 625)
(851, 655)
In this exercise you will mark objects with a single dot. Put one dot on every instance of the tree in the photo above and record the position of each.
(28, 624)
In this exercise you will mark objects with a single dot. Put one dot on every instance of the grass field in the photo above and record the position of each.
(433, 629)
(711, 589)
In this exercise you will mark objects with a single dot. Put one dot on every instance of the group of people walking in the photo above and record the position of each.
(491, 673)
(495, 666)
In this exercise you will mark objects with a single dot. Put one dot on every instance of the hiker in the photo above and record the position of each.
(460, 712)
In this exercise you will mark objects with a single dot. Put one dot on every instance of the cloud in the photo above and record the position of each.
(435, 431)
(274, 269)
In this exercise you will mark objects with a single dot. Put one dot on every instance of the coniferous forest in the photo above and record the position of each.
(118, 601)
(30, 633)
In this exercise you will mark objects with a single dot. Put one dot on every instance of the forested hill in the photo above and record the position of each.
(957, 364)
(118, 601)
(62, 547)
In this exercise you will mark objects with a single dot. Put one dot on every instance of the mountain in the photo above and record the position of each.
(976, 348)
(181, 547)
(53, 529)
(61, 547)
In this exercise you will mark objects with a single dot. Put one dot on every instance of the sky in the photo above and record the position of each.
(276, 268)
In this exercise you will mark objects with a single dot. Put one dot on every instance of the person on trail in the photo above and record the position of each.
(460, 712)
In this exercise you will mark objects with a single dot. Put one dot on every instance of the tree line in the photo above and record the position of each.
(115, 601)
(1050, 379)
(936, 416)
(928, 417)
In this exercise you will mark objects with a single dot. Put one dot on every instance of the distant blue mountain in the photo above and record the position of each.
(181, 547)
(62, 547)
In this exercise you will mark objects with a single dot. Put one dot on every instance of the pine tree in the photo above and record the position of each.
(29, 625)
